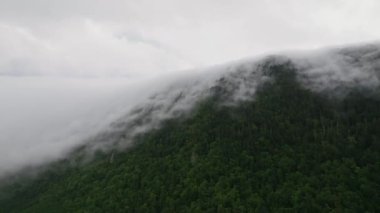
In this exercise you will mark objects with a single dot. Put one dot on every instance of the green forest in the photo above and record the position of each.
(287, 150)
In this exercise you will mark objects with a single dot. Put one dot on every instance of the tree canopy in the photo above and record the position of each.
(288, 150)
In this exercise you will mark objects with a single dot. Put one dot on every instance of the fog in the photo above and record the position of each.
(70, 70)
(336, 70)
(42, 117)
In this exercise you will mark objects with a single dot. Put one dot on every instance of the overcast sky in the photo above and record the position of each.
(61, 61)
(92, 38)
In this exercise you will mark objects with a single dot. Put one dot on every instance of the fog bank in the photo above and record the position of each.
(43, 117)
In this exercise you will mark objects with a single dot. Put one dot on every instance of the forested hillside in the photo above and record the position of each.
(287, 150)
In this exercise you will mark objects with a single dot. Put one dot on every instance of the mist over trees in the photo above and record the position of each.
(288, 150)
(189, 106)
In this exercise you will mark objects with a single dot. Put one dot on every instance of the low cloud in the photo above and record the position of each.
(337, 70)
(68, 69)
(42, 118)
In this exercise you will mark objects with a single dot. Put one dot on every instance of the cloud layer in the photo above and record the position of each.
(70, 68)
(134, 38)
(42, 118)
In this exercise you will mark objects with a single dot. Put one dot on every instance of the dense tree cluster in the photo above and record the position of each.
(289, 150)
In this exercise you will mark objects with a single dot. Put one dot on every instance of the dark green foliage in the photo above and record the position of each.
(290, 150)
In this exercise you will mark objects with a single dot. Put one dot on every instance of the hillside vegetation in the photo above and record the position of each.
(288, 150)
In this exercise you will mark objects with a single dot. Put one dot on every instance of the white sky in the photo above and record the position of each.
(145, 37)
(61, 60)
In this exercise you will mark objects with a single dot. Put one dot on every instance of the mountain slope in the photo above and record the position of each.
(287, 149)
